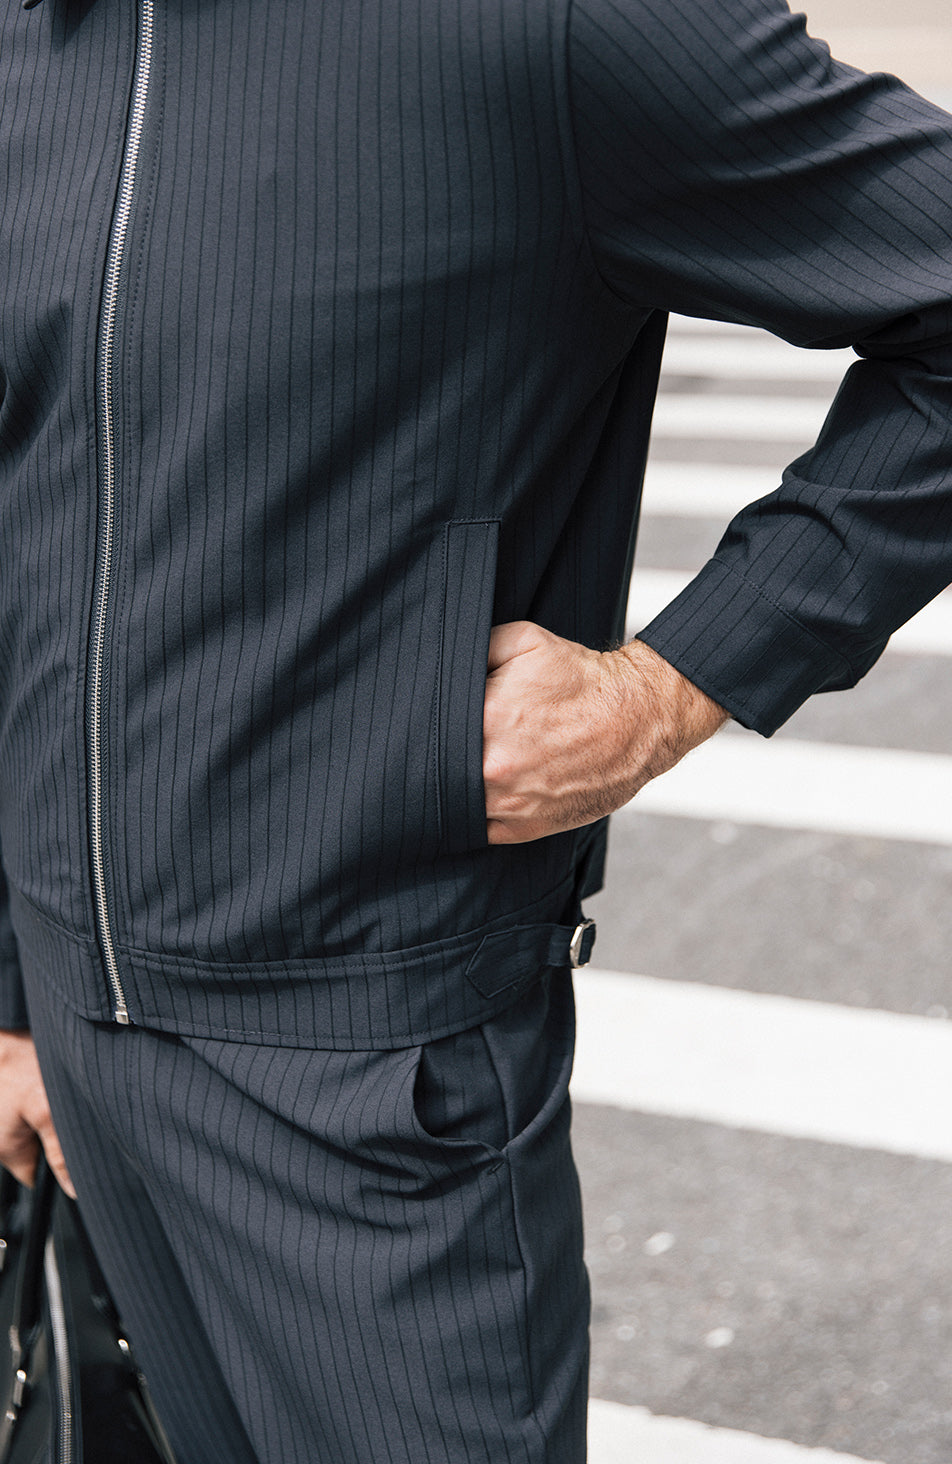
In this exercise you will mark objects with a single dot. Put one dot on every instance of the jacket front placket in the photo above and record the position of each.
(106, 426)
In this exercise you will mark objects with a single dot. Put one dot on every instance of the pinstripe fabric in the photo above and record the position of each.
(369, 1256)
(390, 308)
(777, 188)
(388, 322)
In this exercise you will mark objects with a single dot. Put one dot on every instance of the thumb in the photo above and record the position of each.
(54, 1154)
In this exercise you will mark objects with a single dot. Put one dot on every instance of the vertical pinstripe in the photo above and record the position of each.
(391, 268)
(876, 487)
(388, 325)
(380, 1251)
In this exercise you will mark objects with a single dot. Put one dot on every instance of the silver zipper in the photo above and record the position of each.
(54, 1296)
(107, 489)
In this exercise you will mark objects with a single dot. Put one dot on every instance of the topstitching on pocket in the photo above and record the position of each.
(469, 581)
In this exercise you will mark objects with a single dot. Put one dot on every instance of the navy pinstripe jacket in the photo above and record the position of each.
(329, 334)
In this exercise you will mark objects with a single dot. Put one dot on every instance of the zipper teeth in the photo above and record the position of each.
(107, 328)
(54, 1293)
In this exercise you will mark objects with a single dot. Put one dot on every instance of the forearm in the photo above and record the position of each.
(808, 584)
(672, 714)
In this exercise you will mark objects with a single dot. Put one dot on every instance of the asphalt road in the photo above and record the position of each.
(792, 1288)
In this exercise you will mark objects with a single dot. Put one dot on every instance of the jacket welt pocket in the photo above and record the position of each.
(469, 580)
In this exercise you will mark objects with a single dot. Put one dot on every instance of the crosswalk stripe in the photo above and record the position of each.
(619, 1434)
(751, 418)
(697, 325)
(927, 634)
(774, 1064)
(701, 490)
(792, 784)
(771, 1064)
(755, 356)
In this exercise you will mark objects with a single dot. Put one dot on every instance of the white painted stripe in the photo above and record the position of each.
(701, 490)
(792, 784)
(749, 418)
(775, 1064)
(928, 633)
(695, 325)
(619, 1434)
(627, 1435)
(756, 356)
(680, 326)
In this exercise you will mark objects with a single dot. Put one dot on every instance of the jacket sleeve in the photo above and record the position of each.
(729, 168)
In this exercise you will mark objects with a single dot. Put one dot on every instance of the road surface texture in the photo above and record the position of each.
(764, 1085)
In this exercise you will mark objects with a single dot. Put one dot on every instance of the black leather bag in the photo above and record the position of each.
(69, 1388)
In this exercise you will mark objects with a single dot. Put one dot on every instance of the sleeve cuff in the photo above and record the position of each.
(724, 634)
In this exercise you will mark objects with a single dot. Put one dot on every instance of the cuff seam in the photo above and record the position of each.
(791, 619)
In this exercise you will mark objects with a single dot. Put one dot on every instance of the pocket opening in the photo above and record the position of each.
(470, 550)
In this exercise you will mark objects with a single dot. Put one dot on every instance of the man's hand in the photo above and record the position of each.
(25, 1120)
(571, 734)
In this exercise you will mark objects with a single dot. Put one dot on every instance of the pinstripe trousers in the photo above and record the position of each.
(339, 1258)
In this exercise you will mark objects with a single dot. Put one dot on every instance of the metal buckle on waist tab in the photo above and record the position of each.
(580, 946)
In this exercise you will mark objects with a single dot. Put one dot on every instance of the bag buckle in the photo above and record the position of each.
(580, 946)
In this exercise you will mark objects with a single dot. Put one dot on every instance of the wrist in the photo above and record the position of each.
(678, 714)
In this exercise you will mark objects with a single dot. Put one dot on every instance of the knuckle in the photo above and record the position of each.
(498, 769)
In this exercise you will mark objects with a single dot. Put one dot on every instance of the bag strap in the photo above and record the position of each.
(28, 1297)
(9, 1192)
(25, 1315)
